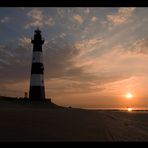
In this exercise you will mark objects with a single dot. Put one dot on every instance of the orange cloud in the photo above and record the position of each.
(78, 18)
(39, 19)
(94, 18)
(121, 16)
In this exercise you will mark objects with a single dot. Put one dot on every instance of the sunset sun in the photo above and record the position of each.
(129, 95)
(130, 109)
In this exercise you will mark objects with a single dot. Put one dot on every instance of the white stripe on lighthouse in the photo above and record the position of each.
(37, 57)
(37, 80)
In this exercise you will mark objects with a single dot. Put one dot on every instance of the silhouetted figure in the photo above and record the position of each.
(25, 95)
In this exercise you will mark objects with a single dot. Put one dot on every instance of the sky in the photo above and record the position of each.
(93, 56)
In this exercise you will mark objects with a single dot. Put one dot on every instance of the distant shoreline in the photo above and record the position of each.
(24, 101)
(117, 109)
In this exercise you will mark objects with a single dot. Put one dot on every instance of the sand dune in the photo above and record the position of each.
(22, 123)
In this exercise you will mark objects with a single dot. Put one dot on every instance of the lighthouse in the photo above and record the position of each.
(37, 89)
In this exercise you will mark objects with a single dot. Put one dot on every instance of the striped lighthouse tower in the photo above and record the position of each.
(37, 90)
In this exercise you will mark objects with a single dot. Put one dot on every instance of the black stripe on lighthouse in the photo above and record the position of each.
(37, 89)
(37, 68)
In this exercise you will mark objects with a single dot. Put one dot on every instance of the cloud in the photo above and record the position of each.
(67, 70)
(65, 73)
(15, 60)
(87, 10)
(140, 46)
(24, 42)
(67, 86)
(78, 18)
(122, 60)
(96, 71)
(58, 59)
(94, 19)
(121, 17)
(37, 16)
(49, 21)
(61, 12)
(6, 19)
(88, 45)
(62, 35)
(39, 19)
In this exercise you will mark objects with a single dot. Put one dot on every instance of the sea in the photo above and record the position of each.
(121, 109)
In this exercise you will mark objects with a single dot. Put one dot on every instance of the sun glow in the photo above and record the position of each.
(129, 109)
(129, 95)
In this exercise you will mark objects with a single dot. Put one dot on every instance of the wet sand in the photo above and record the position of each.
(22, 123)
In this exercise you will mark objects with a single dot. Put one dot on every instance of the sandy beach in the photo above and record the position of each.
(22, 123)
